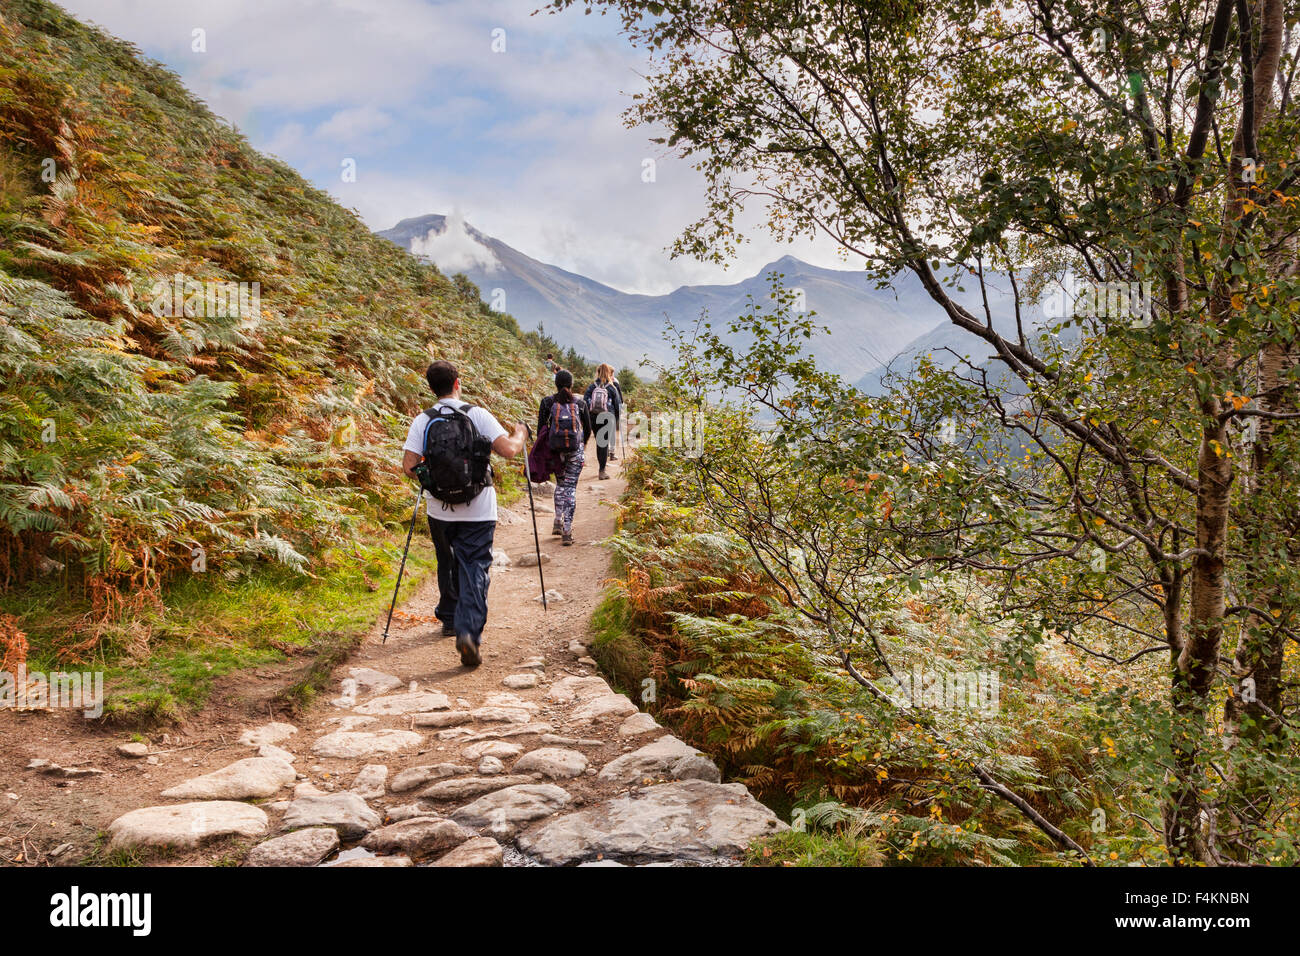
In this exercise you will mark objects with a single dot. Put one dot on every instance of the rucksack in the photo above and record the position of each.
(566, 427)
(457, 463)
(599, 399)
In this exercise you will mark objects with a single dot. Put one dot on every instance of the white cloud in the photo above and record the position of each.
(454, 249)
(410, 86)
(353, 122)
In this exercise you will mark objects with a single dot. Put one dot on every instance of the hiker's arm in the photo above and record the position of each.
(409, 460)
(541, 415)
(507, 446)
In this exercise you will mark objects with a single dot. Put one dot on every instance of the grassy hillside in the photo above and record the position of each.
(155, 455)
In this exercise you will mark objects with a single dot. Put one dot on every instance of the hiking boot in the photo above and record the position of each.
(567, 539)
(613, 457)
(602, 476)
(556, 529)
(469, 656)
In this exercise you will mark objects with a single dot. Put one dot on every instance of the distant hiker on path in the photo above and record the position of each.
(618, 413)
(604, 404)
(448, 451)
(568, 426)
(550, 363)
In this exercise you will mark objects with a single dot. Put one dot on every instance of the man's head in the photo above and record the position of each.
(443, 378)
(549, 357)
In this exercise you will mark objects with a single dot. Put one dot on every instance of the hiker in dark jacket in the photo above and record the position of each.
(568, 425)
(603, 405)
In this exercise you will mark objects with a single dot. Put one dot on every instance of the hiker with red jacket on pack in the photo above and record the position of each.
(604, 405)
(564, 421)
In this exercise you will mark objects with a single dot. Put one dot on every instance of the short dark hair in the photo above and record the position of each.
(442, 377)
(550, 355)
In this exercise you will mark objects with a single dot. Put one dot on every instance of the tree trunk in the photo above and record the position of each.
(1251, 712)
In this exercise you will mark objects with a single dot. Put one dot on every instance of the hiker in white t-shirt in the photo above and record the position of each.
(462, 532)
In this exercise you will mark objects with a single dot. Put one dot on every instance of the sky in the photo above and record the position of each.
(478, 109)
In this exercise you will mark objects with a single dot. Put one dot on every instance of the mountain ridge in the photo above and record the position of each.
(868, 325)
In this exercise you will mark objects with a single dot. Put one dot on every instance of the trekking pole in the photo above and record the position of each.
(532, 509)
(419, 495)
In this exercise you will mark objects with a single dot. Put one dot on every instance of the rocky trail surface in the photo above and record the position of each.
(529, 759)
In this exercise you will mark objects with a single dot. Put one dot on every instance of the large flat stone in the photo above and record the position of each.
(513, 805)
(350, 744)
(371, 781)
(272, 733)
(186, 825)
(501, 749)
(279, 753)
(408, 810)
(413, 777)
(513, 715)
(301, 848)
(410, 703)
(604, 707)
(638, 724)
(686, 820)
(371, 681)
(374, 861)
(577, 688)
(508, 730)
(480, 851)
(459, 788)
(666, 759)
(554, 762)
(241, 780)
(442, 718)
(503, 699)
(345, 812)
(418, 836)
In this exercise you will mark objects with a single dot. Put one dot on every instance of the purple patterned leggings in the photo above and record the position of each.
(566, 490)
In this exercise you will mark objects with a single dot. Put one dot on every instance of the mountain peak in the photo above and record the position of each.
(786, 263)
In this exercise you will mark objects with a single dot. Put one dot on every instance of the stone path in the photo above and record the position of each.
(530, 759)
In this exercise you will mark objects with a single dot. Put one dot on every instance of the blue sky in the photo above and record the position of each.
(472, 106)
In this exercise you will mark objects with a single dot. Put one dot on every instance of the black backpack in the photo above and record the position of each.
(457, 463)
(566, 428)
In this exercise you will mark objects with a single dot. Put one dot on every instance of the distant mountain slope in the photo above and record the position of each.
(945, 345)
(577, 311)
(137, 426)
(868, 326)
